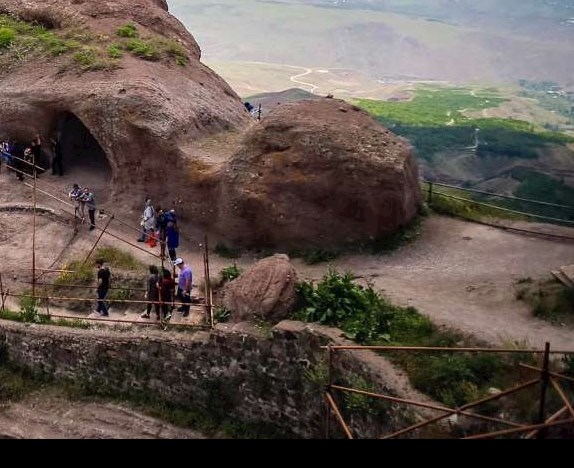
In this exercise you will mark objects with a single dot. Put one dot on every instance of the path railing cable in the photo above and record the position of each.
(432, 192)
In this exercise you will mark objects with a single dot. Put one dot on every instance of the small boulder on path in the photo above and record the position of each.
(267, 290)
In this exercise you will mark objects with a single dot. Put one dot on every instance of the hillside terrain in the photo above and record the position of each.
(419, 39)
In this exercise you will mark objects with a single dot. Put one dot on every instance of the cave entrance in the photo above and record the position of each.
(82, 156)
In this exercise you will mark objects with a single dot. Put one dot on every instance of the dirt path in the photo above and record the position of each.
(461, 275)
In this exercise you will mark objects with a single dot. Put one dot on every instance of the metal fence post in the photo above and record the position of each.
(545, 379)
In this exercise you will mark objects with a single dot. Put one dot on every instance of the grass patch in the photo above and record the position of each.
(7, 36)
(127, 30)
(119, 259)
(21, 40)
(115, 51)
(144, 49)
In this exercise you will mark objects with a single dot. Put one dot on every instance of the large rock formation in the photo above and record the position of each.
(141, 112)
(122, 81)
(318, 173)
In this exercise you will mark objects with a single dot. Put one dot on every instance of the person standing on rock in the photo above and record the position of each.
(161, 227)
(104, 276)
(184, 284)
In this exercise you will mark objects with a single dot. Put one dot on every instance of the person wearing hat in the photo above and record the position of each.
(185, 280)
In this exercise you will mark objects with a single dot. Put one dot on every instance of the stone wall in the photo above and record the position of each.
(270, 377)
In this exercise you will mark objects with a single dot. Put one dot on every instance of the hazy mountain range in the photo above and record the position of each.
(460, 40)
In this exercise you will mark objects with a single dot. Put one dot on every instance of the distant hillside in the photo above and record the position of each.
(461, 40)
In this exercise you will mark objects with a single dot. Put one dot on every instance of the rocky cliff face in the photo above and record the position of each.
(321, 173)
(141, 108)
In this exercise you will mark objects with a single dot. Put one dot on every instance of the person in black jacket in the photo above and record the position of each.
(57, 167)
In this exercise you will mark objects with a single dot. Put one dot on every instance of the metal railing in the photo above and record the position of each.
(547, 380)
(433, 190)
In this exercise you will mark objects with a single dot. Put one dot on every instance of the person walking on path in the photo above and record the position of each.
(90, 202)
(104, 277)
(161, 227)
(184, 284)
(166, 290)
(152, 293)
(75, 195)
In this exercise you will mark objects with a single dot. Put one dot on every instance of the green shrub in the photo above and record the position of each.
(221, 314)
(146, 50)
(128, 30)
(230, 273)
(29, 311)
(338, 301)
(86, 58)
(7, 36)
(115, 51)
(176, 50)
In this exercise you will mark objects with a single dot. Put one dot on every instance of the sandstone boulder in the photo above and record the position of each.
(320, 173)
(267, 290)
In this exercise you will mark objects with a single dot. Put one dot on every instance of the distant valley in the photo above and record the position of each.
(483, 90)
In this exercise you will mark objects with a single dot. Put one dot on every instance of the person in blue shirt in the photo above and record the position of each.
(184, 284)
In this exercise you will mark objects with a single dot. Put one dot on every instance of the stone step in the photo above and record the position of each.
(562, 278)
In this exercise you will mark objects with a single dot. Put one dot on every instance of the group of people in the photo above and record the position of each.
(25, 158)
(160, 292)
(162, 226)
(83, 198)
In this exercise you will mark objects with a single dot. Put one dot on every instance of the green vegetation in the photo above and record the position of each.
(221, 314)
(20, 40)
(435, 123)
(368, 318)
(144, 49)
(230, 273)
(115, 51)
(432, 107)
(119, 259)
(7, 36)
(127, 30)
(465, 206)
